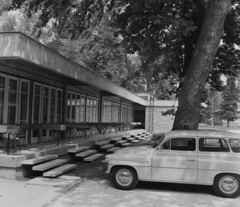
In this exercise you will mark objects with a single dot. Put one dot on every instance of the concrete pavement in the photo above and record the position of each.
(102, 193)
(36, 192)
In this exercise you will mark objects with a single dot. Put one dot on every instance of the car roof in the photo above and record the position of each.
(204, 133)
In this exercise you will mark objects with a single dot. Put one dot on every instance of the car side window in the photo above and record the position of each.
(235, 145)
(183, 144)
(180, 144)
(213, 145)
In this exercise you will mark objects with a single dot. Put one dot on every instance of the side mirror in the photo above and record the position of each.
(154, 138)
(157, 136)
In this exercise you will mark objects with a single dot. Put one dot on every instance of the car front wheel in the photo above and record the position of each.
(124, 178)
(227, 185)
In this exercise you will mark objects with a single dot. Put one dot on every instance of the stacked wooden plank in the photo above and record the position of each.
(87, 154)
(49, 165)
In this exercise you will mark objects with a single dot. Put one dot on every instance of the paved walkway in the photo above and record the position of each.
(34, 193)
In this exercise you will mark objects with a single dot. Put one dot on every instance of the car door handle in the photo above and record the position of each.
(190, 160)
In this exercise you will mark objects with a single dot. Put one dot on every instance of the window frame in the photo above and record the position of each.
(219, 138)
(20, 99)
(6, 104)
(170, 145)
(231, 148)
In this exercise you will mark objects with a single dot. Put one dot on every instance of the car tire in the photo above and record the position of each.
(124, 178)
(227, 185)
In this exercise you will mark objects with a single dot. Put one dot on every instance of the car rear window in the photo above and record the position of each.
(235, 145)
(213, 145)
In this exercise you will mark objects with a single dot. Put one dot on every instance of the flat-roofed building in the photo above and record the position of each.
(40, 86)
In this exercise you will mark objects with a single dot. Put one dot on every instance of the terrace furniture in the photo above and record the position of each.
(10, 136)
(56, 130)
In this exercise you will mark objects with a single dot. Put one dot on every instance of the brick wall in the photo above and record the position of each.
(157, 122)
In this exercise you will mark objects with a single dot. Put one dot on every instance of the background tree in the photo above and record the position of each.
(4, 4)
(229, 104)
(99, 50)
(205, 107)
(205, 114)
(16, 20)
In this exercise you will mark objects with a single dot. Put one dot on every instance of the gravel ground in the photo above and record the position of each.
(97, 190)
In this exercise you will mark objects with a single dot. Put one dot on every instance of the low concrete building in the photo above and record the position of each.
(39, 86)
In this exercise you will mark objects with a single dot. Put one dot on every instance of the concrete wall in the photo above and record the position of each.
(158, 123)
(155, 122)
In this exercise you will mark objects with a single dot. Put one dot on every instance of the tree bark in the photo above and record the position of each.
(200, 65)
(190, 41)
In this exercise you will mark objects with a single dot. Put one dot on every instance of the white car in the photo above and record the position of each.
(192, 157)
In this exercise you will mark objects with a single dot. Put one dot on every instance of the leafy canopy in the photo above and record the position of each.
(164, 33)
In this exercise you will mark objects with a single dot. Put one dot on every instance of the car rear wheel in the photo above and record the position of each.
(227, 185)
(124, 178)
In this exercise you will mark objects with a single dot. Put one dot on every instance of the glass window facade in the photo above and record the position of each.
(127, 114)
(14, 100)
(47, 106)
(110, 112)
(76, 108)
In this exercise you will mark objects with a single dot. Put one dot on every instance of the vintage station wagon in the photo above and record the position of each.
(192, 157)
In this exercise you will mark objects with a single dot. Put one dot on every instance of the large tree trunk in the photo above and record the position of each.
(200, 65)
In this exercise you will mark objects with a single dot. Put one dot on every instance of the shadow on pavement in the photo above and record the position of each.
(89, 170)
(171, 187)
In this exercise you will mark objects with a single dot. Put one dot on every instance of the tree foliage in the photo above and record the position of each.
(153, 29)
(165, 30)
(174, 36)
(4, 4)
(229, 104)
(17, 21)
(99, 50)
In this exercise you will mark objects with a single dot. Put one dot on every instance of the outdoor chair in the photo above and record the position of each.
(13, 140)
(21, 136)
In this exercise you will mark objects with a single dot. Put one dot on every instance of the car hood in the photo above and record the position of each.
(142, 150)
